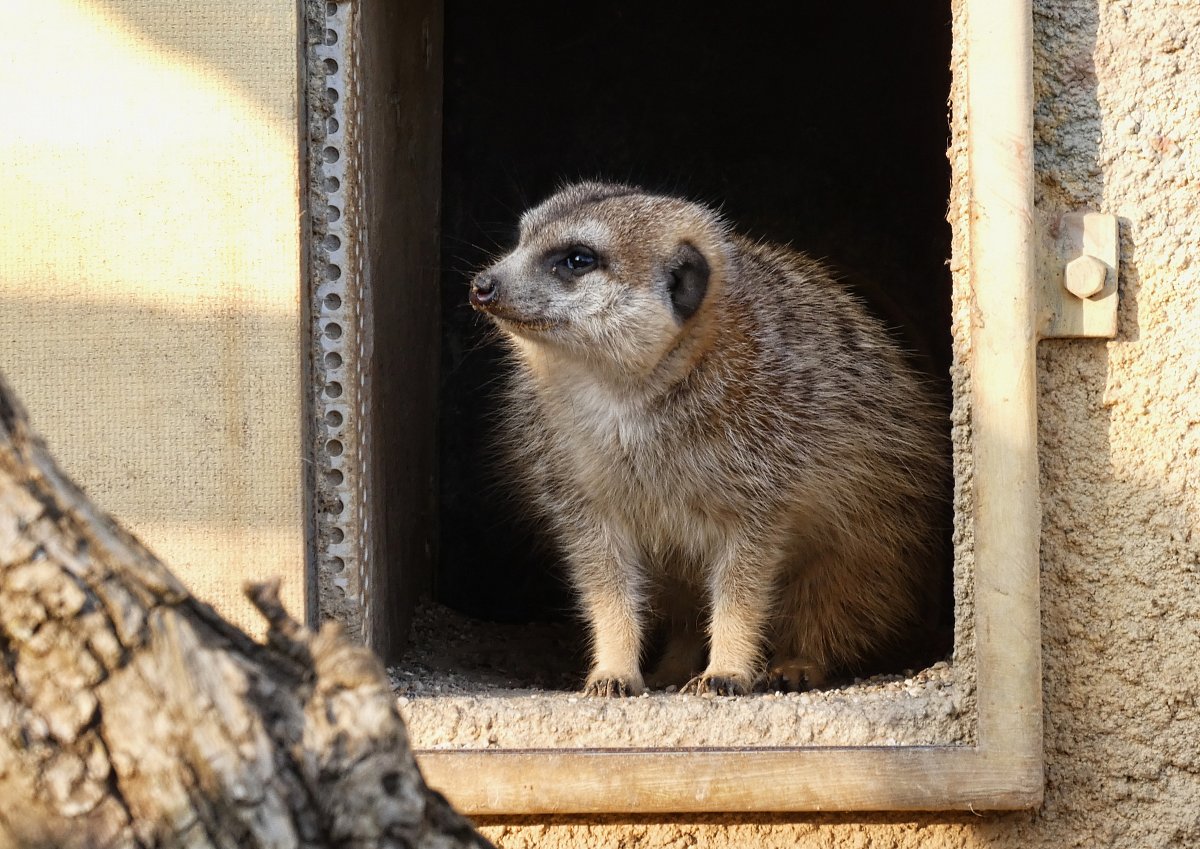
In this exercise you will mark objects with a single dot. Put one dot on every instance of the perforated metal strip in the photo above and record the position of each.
(339, 359)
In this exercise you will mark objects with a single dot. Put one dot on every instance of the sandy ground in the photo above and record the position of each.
(470, 684)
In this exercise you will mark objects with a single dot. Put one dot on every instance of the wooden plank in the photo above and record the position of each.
(1007, 520)
(663, 781)
(400, 72)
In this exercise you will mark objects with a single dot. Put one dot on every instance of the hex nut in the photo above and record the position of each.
(1085, 276)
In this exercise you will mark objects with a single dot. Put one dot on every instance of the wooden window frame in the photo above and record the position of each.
(1002, 769)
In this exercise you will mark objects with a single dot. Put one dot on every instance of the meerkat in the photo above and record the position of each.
(720, 437)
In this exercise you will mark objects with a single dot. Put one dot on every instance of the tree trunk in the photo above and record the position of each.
(131, 714)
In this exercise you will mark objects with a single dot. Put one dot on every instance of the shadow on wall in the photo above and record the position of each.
(218, 40)
(153, 393)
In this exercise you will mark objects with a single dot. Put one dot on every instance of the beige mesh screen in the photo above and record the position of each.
(150, 284)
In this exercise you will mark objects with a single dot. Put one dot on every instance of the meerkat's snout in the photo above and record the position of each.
(485, 291)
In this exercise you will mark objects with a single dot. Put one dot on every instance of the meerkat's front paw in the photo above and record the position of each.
(719, 684)
(607, 685)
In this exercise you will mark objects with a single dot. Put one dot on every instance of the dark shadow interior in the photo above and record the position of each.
(821, 125)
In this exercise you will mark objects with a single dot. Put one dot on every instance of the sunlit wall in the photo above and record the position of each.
(150, 277)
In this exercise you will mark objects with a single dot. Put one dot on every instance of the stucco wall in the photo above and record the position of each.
(1118, 89)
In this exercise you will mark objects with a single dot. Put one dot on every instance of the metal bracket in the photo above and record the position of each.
(1079, 279)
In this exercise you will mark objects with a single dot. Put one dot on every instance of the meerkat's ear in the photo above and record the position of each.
(687, 283)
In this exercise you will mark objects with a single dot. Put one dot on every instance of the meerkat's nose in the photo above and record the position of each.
(484, 290)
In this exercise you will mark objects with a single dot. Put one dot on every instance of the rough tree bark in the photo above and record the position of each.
(131, 714)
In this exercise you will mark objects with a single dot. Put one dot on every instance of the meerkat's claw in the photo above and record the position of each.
(709, 684)
(613, 687)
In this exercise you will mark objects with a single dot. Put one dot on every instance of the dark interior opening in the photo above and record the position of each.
(819, 125)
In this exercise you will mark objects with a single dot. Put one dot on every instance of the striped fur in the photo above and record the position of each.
(766, 475)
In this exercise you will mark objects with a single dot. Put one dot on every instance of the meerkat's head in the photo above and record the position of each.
(608, 273)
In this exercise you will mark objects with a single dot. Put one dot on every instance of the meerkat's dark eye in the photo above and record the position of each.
(579, 260)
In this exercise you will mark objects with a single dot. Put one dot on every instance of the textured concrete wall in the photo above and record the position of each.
(1118, 90)
(150, 274)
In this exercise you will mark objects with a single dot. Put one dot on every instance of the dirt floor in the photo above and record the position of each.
(470, 684)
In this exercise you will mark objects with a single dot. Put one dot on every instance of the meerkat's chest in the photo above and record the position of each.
(610, 436)
(630, 462)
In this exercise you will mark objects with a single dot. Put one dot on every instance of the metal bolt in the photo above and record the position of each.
(1085, 276)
